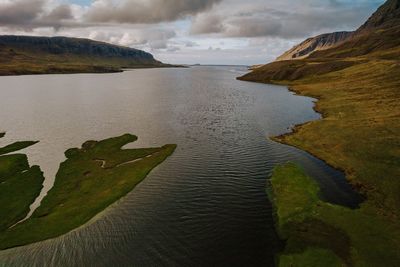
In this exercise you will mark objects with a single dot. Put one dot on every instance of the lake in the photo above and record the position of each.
(207, 204)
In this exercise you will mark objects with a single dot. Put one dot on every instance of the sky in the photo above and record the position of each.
(240, 32)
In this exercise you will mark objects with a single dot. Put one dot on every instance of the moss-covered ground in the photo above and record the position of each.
(322, 234)
(359, 134)
(20, 184)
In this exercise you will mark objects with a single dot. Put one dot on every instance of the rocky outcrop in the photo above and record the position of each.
(318, 43)
(76, 47)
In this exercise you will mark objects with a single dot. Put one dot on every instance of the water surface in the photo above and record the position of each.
(206, 205)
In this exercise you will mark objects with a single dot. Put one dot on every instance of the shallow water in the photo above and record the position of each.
(206, 205)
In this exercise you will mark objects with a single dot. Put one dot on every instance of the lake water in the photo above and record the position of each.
(206, 205)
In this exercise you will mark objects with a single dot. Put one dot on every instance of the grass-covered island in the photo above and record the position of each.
(92, 178)
(322, 234)
(20, 184)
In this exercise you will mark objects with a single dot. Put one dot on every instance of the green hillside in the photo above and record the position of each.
(357, 84)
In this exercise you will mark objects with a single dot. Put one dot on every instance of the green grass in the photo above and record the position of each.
(322, 234)
(16, 146)
(20, 184)
(92, 178)
(360, 131)
(359, 134)
(312, 257)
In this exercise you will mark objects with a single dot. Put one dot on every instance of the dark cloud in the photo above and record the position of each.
(61, 12)
(20, 13)
(253, 27)
(31, 14)
(151, 11)
(288, 22)
(207, 23)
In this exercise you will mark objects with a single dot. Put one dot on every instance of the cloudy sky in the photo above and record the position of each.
(188, 31)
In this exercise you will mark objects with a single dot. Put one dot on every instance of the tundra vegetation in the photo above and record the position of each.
(92, 178)
(357, 85)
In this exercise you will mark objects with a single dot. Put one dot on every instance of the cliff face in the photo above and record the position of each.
(42, 55)
(74, 46)
(318, 43)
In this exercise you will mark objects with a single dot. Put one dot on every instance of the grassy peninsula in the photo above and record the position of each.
(20, 184)
(357, 86)
(92, 178)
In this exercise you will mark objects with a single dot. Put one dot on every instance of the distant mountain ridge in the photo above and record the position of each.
(78, 46)
(39, 55)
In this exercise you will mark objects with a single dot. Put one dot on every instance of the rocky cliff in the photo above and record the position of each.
(74, 46)
(320, 42)
(30, 55)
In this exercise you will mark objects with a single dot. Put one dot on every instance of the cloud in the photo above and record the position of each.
(285, 19)
(141, 11)
(33, 14)
(19, 13)
(207, 23)
(253, 27)
(180, 31)
(61, 12)
(146, 37)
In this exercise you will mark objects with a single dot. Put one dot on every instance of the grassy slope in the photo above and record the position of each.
(322, 234)
(91, 179)
(19, 62)
(359, 132)
(20, 184)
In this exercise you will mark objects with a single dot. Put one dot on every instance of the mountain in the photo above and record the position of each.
(357, 84)
(320, 42)
(386, 17)
(30, 55)
(378, 38)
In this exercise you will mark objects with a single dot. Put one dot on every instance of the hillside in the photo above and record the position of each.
(37, 55)
(357, 84)
(371, 36)
(320, 42)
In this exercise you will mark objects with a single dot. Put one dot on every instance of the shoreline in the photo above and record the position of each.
(356, 186)
(297, 127)
(95, 70)
(356, 135)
